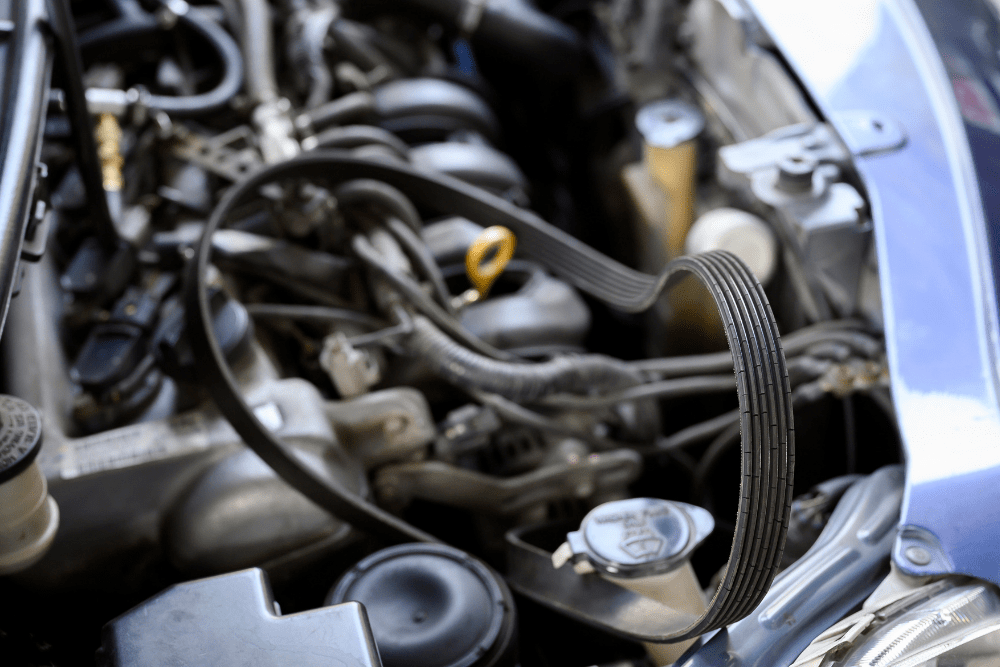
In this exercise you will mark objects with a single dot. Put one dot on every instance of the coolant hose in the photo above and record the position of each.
(523, 383)
(232, 72)
(136, 24)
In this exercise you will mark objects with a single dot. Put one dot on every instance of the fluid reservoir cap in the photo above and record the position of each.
(432, 606)
(741, 233)
(639, 537)
(20, 436)
(669, 123)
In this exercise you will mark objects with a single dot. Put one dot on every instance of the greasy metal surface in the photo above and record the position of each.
(116, 488)
(232, 619)
(936, 281)
(845, 564)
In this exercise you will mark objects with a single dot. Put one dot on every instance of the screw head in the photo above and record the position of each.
(918, 555)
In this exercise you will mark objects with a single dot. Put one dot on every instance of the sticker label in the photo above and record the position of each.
(133, 445)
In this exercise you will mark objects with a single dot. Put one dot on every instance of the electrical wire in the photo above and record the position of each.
(319, 314)
(420, 300)
(692, 435)
(794, 343)
(688, 386)
(420, 255)
(515, 413)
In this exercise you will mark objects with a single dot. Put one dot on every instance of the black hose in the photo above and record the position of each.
(355, 136)
(517, 382)
(517, 414)
(227, 88)
(723, 442)
(513, 30)
(350, 108)
(137, 26)
(365, 191)
(420, 254)
(794, 343)
(350, 41)
(422, 302)
(82, 123)
(694, 434)
(317, 314)
(133, 23)
(232, 72)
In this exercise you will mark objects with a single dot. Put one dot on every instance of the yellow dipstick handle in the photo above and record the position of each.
(482, 276)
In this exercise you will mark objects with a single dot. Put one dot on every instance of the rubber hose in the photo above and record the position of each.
(232, 72)
(422, 301)
(355, 136)
(349, 39)
(795, 342)
(515, 30)
(421, 256)
(518, 382)
(133, 27)
(366, 191)
(349, 108)
(258, 50)
(137, 26)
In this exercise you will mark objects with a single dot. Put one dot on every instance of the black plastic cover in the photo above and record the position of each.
(232, 621)
(433, 606)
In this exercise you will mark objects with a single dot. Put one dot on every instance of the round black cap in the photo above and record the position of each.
(432, 606)
(20, 436)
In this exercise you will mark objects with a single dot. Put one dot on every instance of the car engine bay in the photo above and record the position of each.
(452, 332)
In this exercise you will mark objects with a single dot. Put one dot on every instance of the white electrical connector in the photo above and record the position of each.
(353, 372)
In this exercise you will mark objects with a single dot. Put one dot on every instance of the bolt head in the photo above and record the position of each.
(918, 555)
(795, 173)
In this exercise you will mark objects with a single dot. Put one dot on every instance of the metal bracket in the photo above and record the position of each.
(868, 132)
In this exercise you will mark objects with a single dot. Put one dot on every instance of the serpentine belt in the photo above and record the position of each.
(758, 360)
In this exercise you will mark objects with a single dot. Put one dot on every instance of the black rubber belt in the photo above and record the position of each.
(759, 363)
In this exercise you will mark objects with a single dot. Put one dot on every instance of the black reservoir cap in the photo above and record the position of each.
(20, 436)
(433, 606)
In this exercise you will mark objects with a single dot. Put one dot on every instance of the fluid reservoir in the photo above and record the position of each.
(663, 191)
(741, 233)
(28, 514)
(644, 545)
